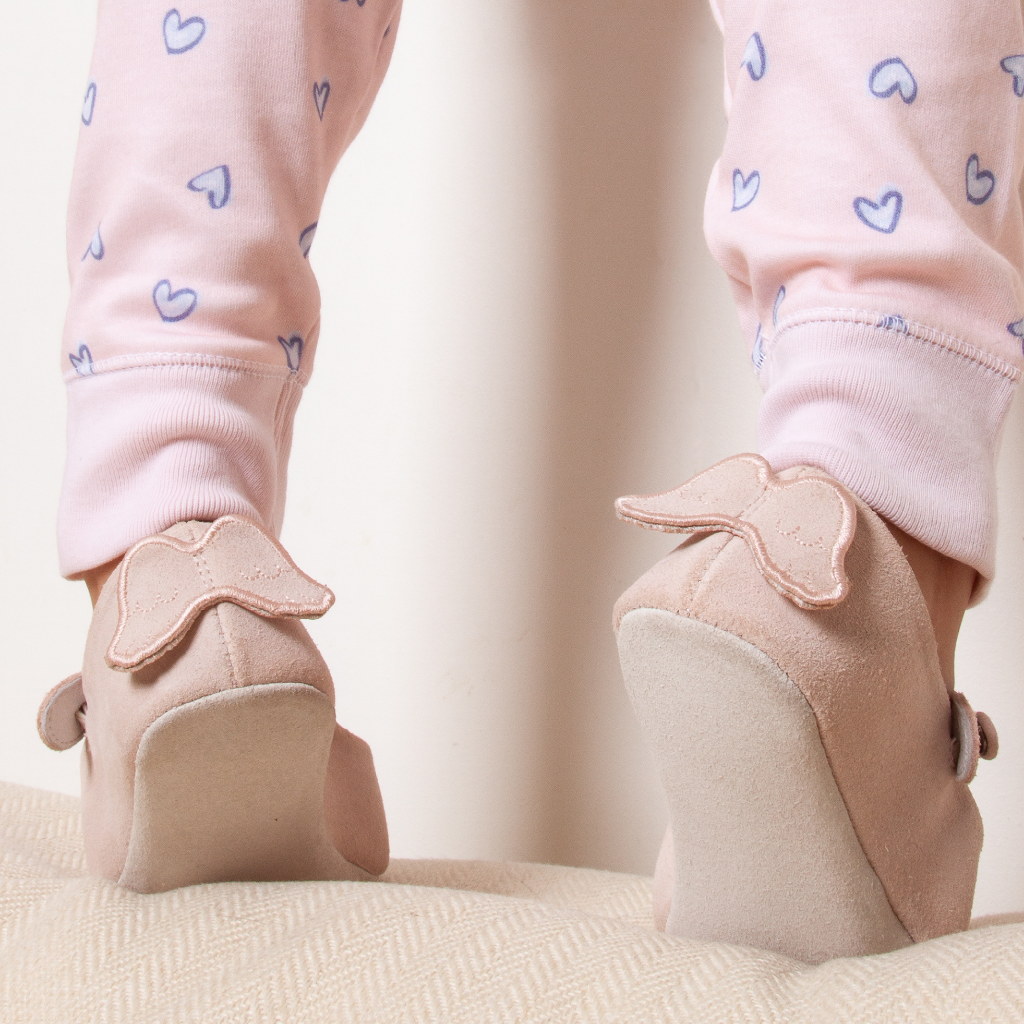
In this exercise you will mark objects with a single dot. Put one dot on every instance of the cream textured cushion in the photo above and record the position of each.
(447, 941)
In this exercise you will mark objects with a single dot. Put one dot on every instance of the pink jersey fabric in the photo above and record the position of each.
(865, 208)
(209, 134)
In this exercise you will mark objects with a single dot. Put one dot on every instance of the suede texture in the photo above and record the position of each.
(802, 559)
(663, 881)
(227, 647)
(165, 583)
(765, 854)
(229, 788)
(869, 671)
(58, 719)
(353, 806)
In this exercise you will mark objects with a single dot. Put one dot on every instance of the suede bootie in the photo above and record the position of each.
(211, 748)
(784, 670)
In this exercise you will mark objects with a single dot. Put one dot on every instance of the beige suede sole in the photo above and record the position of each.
(765, 853)
(230, 787)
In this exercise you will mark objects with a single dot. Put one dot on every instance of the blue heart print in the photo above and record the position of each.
(89, 104)
(757, 353)
(980, 184)
(755, 60)
(358, 2)
(83, 361)
(1017, 330)
(881, 216)
(173, 305)
(321, 90)
(1015, 66)
(892, 75)
(292, 350)
(779, 299)
(894, 322)
(216, 183)
(744, 190)
(180, 36)
(96, 248)
(306, 239)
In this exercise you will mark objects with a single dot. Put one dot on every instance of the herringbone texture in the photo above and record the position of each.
(498, 943)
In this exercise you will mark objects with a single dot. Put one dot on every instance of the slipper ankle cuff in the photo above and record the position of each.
(910, 421)
(163, 438)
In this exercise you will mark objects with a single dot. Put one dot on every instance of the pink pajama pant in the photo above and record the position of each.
(865, 209)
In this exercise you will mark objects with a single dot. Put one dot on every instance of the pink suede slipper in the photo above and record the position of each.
(211, 750)
(784, 670)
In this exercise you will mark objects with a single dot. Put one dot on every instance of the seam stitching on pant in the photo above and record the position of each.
(897, 325)
(161, 360)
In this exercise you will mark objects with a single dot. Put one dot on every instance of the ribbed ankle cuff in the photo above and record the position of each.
(907, 418)
(160, 438)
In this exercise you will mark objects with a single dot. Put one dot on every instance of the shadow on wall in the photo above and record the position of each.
(625, 80)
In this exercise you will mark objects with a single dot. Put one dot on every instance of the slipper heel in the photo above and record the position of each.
(230, 787)
(765, 853)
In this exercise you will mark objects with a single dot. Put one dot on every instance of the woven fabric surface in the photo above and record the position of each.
(439, 941)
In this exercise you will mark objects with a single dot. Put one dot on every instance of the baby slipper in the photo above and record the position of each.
(211, 749)
(784, 670)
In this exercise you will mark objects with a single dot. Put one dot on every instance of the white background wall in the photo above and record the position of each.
(520, 323)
